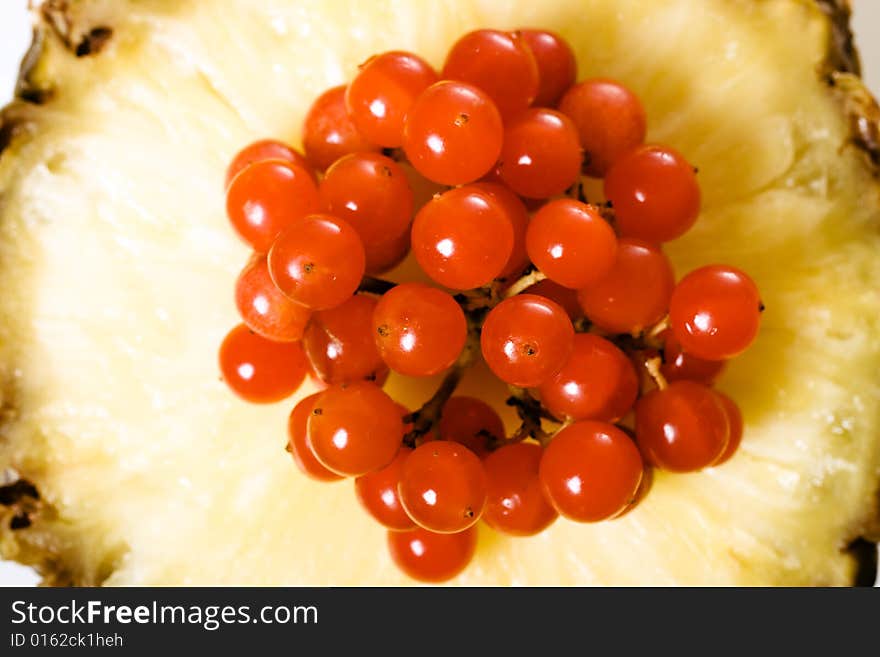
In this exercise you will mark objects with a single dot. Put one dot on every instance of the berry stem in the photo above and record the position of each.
(524, 282)
(653, 367)
(530, 413)
(424, 419)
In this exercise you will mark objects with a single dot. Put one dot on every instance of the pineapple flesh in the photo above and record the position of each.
(125, 461)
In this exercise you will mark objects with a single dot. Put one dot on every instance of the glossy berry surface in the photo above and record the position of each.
(419, 330)
(319, 262)
(683, 428)
(443, 486)
(429, 557)
(500, 63)
(655, 194)
(541, 156)
(355, 429)
(735, 424)
(590, 471)
(515, 503)
(377, 493)
(471, 422)
(387, 254)
(339, 342)
(715, 312)
(463, 238)
(328, 133)
(597, 382)
(571, 243)
(526, 339)
(453, 133)
(382, 92)
(610, 121)
(635, 293)
(259, 370)
(300, 447)
(370, 192)
(268, 197)
(518, 215)
(564, 296)
(263, 308)
(557, 66)
(265, 149)
(679, 365)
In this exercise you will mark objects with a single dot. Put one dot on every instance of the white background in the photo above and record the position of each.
(15, 36)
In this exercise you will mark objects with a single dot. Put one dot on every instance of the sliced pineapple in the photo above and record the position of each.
(128, 462)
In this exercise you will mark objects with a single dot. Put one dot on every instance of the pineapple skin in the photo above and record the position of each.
(72, 538)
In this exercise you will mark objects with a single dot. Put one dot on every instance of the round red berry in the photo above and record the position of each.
(571, 243)
(715, 312)
(453, 133)
(516, 503)
(266, 198)
(443, 486)
(591, 471)
(258, 370)
(430, 557)
(655, 194)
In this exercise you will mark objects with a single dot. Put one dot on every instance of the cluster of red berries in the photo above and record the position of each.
(574, 302)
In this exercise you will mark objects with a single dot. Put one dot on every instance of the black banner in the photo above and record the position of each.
(39, 621)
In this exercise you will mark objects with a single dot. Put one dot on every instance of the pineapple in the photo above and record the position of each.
(125, 461)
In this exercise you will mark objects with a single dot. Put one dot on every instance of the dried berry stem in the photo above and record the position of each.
(653, 367)
(530, 413)
(525, 282)
(424, 419)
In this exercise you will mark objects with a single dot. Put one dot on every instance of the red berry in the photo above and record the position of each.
(339, 342)
(355, 429)
(319, 262)
(418, 330)
(470, 422)
(300, 447)
(715, 312)
(678, 365)
(265, 149)
(597, 382)
(610, 120)
(386, 255)
(262, 306)
(259, 370)
(557, 67)
(682, 428)
(655, 194)
(635, 293)
(377, 493)
(519, 219)
(500, 63)
(463, 238)
(516, 503)
(541, 155)
(443, 487)
(453, 133)
(526, 339)
(430, 557)
(590, 471)
(735, 422)
(371, 192)
(268, 197)
(382, 92)
(328, 133)
(571, 243)
(564, 296)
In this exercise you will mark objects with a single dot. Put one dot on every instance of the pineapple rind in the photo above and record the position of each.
(150, 473)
